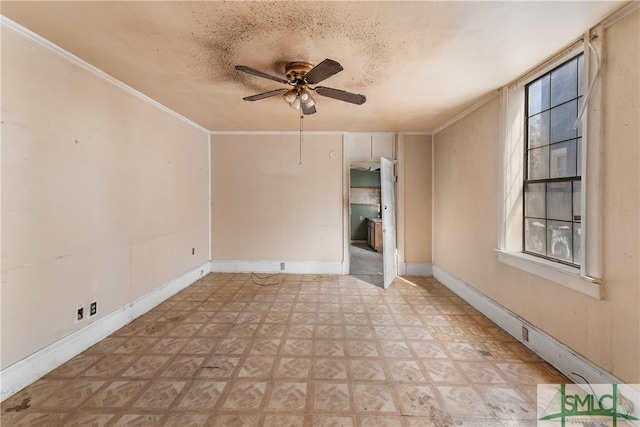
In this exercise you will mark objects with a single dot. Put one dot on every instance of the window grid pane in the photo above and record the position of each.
(552, 187)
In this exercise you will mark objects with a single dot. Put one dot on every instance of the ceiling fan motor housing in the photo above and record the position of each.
(295, 72)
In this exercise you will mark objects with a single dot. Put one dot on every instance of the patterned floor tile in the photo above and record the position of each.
(297, 347)
(508, 403)
(380, 421)
(416, 332)
(265, 347)
(187, 419)
(168, 346)
(328, 348)
(463, 350)
(329, 331)
(202, 395)
(303, 317)
(374, 398)
(481, 372)
(139, 420)
(330, 368)
(362, 349)
(182, 367)
(300, 331)
(109, 366)
(159, 394)
(271, 330)
(71, 394)
(74, 367)
(382, 319)
(430, 349)
(279, 420)
(368, 369)
(310, 350)
(215, 330)
(33, 418)
(464, 401)
(232, 346)
(356, 307)
(332, 397)
(523, 373)
(387, 332)
(418, 400)
(200, 346)
(218, 367)
(146, 366)
(356, 319)
(257, 367)
(395, 349)
(245, 396)
(329, 318)
(406, 371)
(117, 394)
(408, 320)
(82, 420)
(443, 371)
(332, 421)
(288, 396)
(293, 367)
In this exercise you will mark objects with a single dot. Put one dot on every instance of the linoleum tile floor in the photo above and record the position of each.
(295, 350)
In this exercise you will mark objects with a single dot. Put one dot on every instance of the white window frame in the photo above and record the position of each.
(587, 278)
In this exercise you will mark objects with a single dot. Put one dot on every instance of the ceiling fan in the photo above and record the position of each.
(300, 75)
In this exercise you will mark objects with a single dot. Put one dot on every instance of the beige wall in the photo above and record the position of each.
(415, 179)
(266, 206)
(607, 332)
(104, 195)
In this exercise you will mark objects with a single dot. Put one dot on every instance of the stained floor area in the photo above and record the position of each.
(296, 350)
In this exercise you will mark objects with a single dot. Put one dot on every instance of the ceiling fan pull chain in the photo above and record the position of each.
(300, 148)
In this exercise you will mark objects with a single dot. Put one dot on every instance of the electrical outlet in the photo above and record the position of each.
(193, 251)
(93, 308)
(282, 266)
(525, 334)
(80, 314)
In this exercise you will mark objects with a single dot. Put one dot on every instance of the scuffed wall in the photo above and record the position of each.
(104, 196)
(270, 204)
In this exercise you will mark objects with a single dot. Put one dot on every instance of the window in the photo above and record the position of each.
(553, 162)
(551, 171)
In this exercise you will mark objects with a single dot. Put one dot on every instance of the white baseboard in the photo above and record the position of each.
(295, 267)
(26, 371)
(553, 351)
(415, 269)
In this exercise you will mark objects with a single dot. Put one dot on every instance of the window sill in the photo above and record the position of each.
(558, 273)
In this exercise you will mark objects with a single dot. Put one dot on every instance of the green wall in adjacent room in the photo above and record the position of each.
(363, 178)
(360, 213)
(359, 226)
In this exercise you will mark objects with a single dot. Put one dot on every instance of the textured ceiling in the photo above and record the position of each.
(418, 63)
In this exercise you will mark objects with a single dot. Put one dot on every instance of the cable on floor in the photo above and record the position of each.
(264, 278)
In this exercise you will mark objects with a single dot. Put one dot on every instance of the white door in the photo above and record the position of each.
(387, 178)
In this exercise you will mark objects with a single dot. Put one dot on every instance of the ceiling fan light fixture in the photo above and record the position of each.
(290, 96)
(306, 98)
(295, 104)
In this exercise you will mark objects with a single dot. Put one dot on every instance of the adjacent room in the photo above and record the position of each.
(255, 213)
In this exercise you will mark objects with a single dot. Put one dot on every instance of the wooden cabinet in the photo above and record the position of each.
(374, 233)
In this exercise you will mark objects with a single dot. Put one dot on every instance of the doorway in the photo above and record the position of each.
(365, 252)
